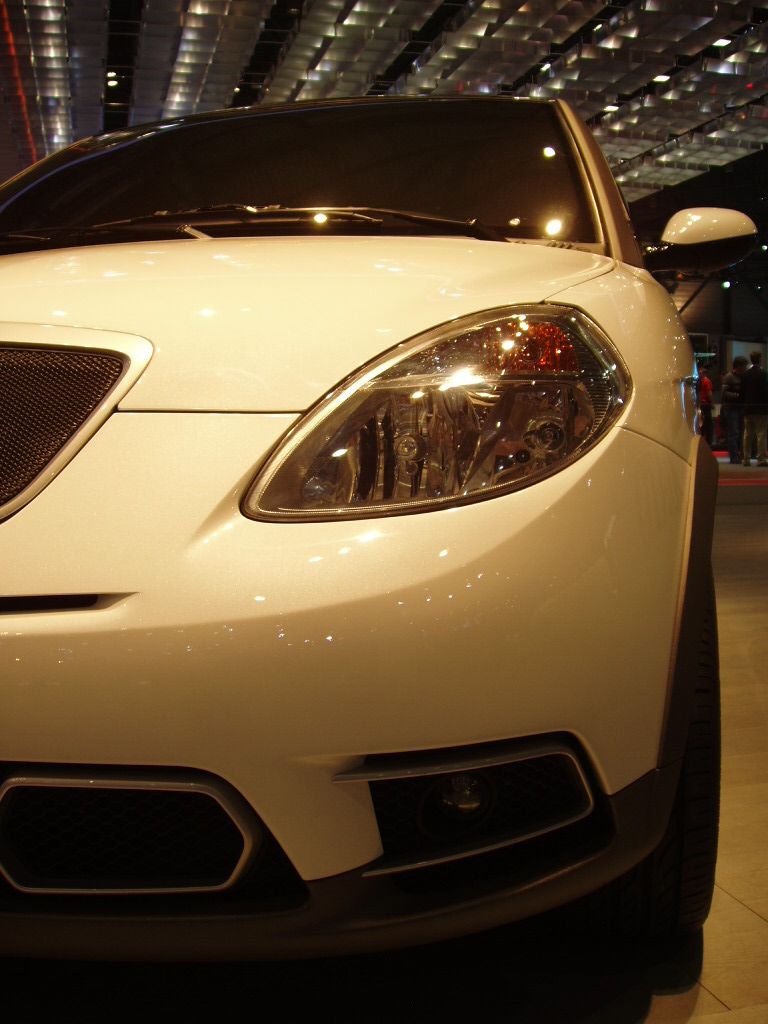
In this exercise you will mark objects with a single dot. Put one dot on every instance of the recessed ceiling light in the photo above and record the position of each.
(721, 42)
(609, 108)
(661, 78)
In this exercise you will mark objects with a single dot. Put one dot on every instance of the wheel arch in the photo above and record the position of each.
(695, 603)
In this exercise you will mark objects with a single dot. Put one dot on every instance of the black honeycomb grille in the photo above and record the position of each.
(45, 397)
(81, 838)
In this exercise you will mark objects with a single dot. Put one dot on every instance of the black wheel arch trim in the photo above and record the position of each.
(696, 604)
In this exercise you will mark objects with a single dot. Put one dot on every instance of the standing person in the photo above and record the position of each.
(754, 396)
(705, 404)
(732, 410)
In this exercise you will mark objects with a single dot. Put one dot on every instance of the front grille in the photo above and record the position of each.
(105, 833)
(46, 395)
(116, 839)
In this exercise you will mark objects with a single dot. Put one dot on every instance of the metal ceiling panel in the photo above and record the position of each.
(217, 38)
(87, 36)
(363, 45)
(24, 141)
(495, 43)
(707, 114)
(238, 34)
(159, 39)
(317, 31)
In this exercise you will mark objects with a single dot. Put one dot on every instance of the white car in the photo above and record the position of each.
(356, 584)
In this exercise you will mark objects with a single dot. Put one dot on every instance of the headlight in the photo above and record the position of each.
(478, 407)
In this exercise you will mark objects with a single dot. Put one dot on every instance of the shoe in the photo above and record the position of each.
(734, 462)
(762, 463)
(746, 463)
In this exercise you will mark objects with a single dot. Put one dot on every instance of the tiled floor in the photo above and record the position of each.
(733, 986)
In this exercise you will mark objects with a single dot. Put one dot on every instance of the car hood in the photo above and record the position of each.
(271, 324)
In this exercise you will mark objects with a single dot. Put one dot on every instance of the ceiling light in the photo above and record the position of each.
(661, 78)
(721, 42)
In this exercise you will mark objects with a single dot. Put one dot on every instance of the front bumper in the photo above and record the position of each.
(351, 913)
(277, 657)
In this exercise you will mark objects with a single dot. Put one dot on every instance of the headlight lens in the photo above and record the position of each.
(473, 409)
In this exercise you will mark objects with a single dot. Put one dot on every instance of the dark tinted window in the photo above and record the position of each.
(508, 164)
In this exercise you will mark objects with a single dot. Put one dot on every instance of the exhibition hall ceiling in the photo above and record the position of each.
(671, 88)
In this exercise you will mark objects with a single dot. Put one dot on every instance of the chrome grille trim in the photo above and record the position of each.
(421, 763)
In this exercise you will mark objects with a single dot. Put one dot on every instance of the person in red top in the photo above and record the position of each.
(705, 404)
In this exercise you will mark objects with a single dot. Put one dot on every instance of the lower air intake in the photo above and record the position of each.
(104, 836)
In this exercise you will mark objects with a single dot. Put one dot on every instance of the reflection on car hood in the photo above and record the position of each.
(271, 324)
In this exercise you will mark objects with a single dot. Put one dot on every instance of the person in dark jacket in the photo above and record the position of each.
(754, 397)
(731, 409)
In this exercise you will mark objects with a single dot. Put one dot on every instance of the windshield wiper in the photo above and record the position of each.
(208, 221)
(472, 227)
(238, 213)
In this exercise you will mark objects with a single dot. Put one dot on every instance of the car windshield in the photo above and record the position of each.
(500, 163)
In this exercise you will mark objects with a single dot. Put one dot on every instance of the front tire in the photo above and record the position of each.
(670, 892)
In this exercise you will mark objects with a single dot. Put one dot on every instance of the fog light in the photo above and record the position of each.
(456, 804)
(463, 794)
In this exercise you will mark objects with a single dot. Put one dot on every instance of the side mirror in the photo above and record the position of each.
(702, 239)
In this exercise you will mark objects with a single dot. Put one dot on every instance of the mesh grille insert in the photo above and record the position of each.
(63, 837)
(45, 397)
